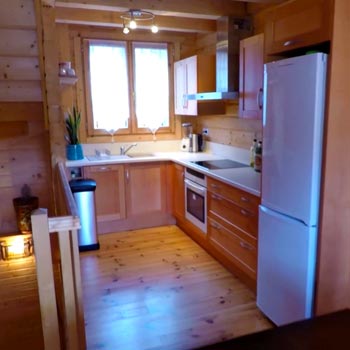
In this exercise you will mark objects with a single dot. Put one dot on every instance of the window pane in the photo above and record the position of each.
(109, 85)
(151, 85)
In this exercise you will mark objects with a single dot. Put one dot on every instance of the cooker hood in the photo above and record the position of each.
(230, 30)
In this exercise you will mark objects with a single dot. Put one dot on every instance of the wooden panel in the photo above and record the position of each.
(11, 129)
(18, 43)
(19, 68)
(21, 111)
(20, 91)
(333, 278)
(178, 191)
(18, 13)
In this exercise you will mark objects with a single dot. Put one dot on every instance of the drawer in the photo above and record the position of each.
(233, 214)
(241, 198)
(238, 250)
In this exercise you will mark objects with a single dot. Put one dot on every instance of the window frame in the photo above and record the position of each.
(132, 125)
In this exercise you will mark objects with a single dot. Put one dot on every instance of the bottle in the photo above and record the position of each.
(252, 153)
(258, 157)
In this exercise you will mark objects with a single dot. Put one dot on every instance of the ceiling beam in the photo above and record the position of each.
(210, 9)
(112, 19)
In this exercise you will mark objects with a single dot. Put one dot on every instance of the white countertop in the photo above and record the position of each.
(244, 178)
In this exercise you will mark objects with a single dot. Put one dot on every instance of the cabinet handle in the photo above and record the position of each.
(259, 100)
(103, 168)
(245, 212)
(214, 225)
(215, 197)
(215, 186)
(291, 42)
(127, 175)
(245, 245)
(245, 199)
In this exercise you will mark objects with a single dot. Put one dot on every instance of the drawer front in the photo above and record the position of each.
(234, 247)
(241, 198)
(233, 214)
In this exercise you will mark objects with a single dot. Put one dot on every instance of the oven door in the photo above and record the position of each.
(196, 204)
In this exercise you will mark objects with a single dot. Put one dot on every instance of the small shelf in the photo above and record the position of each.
(66, 80)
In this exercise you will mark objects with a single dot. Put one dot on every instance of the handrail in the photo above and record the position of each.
(63, 296)
(68, 196)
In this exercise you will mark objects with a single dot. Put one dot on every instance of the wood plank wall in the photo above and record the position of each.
(24, 151)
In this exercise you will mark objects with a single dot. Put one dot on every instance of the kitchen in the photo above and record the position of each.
(332, 295)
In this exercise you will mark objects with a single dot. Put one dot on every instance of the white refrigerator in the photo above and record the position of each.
(294, 95)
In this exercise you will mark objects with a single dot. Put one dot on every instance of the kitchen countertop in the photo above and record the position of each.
(245, 178)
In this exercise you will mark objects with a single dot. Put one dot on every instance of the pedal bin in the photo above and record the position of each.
(84, 195)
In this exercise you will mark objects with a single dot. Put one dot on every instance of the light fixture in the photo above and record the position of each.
(132, 17)
(18, 246)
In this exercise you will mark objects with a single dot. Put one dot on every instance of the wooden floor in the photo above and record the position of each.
(157, 289)
(20, 322)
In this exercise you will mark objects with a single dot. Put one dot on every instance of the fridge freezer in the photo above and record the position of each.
(286, 267)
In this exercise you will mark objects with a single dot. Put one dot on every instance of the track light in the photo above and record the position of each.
(131, 18)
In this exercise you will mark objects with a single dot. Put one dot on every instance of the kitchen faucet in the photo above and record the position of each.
(123, 150)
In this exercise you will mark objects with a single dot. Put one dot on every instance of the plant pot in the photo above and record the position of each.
(74, 152)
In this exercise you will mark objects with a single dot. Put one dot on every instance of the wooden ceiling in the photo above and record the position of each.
(196, 16)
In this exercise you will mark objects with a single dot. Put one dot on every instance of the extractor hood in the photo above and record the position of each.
(230, 30)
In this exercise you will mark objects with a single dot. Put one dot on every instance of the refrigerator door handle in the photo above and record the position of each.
(259, 100)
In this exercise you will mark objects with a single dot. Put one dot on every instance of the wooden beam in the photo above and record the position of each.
(112, 19)
(194, 8)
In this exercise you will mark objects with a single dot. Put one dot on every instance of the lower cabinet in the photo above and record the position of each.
(130, 196)
(110, 191)
(178, 191)
(233, 228)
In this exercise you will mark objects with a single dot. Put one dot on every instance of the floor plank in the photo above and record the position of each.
(157, 289)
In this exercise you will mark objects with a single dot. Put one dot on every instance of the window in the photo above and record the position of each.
(128, 87)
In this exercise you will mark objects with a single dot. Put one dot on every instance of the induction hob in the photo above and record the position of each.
(219, 164)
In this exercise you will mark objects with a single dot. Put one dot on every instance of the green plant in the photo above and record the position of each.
(72, 125)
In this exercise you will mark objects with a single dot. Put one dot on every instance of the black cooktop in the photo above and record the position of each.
(219, 164)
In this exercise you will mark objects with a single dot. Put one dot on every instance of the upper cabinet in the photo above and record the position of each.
(251, 76)
(298, 24)
(193, 75)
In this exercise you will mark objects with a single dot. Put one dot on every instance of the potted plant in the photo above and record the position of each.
(74, 150)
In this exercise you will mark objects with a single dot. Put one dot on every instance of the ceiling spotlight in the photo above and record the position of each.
(154, 29)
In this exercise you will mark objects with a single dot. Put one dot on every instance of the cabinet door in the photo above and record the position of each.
(191, 83)
(145, 188)
(180, 87)
(299, 24)
(178, 191)
(251, 77)
(109, 194)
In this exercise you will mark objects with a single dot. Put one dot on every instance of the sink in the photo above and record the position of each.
(107, 157)
(140, 155)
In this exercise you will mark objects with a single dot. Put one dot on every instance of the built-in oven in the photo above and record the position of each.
(196, 198)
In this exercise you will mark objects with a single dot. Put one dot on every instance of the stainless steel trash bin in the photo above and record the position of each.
(84, 195)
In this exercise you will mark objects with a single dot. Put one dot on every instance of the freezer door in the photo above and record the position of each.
(292, 136)
(286, 267)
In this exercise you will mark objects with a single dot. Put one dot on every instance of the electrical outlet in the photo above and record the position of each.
(205, 131)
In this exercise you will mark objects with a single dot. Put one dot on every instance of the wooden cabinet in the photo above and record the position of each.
(178, 191)
(145, 185)
(193, 75)
(110, 194)
(251, 74)
(297, 24)
(233, 229)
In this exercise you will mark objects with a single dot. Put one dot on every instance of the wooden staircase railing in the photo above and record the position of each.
(58, 271)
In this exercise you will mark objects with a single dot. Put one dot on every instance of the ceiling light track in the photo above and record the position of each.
(133, 16)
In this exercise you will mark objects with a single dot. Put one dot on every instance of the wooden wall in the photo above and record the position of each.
(24, 151)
